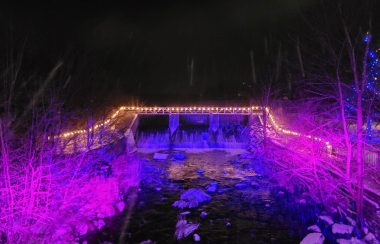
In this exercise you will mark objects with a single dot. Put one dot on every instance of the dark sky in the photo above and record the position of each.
(145, 48)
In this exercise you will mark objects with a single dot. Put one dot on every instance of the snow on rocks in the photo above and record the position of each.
(314, 228)
(196, 237)
(183, 229)
(342, 229)
(326, 219)
(313, 238)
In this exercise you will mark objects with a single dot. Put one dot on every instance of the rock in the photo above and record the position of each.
(241, 186)
(183, 229)
(342, 229)
(313, 238)
(326, 219)
(160, 156)
(179, 156)
(195, 194)
(314, 228)
(353, 240)
(255, 185)
(120, 206)
(370, 238)
(196, 237)
(203, 214)
(99, 224)
(148, 242)
(212, 187)
(200, 171)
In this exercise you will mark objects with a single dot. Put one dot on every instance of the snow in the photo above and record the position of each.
(342, 229)
(160, 156)
(313, 238)
(370, 238)
(327, 219)
(314, 228)
(353, 240)
(196, 237)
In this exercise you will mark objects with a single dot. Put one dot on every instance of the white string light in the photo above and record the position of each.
(221, 110)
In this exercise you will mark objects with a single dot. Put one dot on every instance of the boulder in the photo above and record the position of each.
(313, 238)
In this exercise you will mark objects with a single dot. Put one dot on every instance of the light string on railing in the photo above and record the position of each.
(195, 109)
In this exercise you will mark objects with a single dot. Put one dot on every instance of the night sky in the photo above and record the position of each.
(166, 51)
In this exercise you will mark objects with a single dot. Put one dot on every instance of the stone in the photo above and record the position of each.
(342, 229)
(203, 214)
(196, 237)
(314, 228)
(326, 219)
(313, 238)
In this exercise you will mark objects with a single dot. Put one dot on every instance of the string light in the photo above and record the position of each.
(221, 110)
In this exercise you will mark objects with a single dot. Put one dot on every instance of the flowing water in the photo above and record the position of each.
(243, 213)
